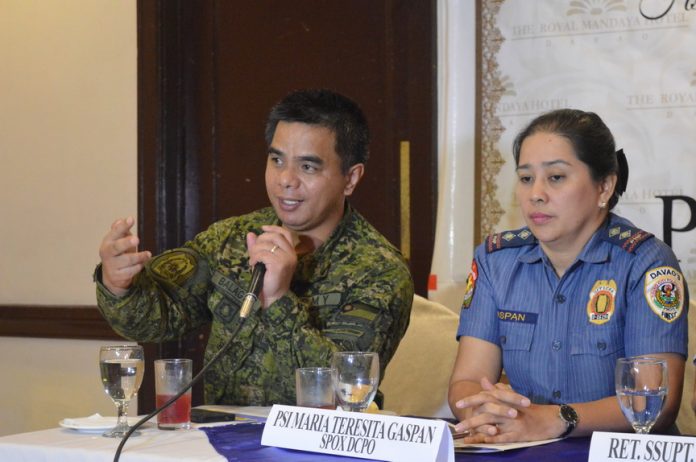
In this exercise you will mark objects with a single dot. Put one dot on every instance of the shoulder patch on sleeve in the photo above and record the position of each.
(626, 237)
(175, 266)
(664, 292)
(507, 239)
(470, 285)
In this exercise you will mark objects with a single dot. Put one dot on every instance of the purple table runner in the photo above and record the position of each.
(242, 442)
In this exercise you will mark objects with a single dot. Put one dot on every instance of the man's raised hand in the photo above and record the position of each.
(120, 258)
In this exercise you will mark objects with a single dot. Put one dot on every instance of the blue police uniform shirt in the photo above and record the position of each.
(560, 338)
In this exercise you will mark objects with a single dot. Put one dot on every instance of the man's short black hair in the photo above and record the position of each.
(328, 109)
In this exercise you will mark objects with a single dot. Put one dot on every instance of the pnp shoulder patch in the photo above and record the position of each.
(627, 237)
(507, 239)
(664, 292)
(470, 285)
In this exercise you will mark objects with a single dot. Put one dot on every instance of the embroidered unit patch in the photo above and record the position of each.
(470, 285)
(176, 266)
(664, 292)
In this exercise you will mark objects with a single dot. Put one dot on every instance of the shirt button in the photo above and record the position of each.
(560, 298)
(601, 346)
(503, 339)
(556, 345)
(557, 394)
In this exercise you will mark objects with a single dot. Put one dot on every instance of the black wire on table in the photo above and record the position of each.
(178, 395)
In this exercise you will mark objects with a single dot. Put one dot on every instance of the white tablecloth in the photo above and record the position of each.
(61, 444)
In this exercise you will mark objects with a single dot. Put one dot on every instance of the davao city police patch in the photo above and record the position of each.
(470, 285)
(175, 266)
(664, 291)
(600, 307)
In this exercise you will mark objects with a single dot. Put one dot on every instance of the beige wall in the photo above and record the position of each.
(67, 169)
(47, 380)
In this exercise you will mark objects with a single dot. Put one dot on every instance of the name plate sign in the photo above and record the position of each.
(607, 446)
(361, 435)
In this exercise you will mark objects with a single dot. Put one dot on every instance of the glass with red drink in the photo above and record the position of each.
(171, 376)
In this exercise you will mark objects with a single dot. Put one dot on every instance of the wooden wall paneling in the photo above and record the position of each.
(70, 322)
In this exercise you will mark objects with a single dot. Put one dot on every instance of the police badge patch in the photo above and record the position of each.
(601, 305)
(470, 285)
(664, 292)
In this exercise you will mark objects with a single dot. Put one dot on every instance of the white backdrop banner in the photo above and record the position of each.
(633, 62)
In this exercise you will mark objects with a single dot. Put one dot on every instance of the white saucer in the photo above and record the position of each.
(94, 423)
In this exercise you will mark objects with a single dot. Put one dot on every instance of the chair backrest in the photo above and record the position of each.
(417, 378)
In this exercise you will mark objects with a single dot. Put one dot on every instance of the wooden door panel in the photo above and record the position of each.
(300, 45)
(208, 73)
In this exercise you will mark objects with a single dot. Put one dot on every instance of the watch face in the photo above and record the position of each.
(569, 414)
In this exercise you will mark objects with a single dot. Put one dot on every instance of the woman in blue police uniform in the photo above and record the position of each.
(556, 303)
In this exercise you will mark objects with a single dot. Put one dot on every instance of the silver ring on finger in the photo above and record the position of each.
(274, 248)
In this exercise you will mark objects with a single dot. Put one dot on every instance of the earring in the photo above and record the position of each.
(602, 205)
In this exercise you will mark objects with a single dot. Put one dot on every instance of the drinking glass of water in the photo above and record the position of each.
(641, 387)
(122, 370)
(355, 377)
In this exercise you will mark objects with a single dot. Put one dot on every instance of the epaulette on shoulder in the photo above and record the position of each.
(627, 237)
(507, 239)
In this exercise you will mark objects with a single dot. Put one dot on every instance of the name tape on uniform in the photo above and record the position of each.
(633, 447)
(361, 435)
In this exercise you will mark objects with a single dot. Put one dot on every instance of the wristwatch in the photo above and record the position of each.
(569, 417)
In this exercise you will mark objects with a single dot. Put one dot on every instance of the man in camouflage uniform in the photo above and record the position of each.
(332, 281)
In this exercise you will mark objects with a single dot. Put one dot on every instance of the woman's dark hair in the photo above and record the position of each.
(327, 109)
(592, 142)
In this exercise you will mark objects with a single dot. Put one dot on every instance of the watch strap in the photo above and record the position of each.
(568, 415)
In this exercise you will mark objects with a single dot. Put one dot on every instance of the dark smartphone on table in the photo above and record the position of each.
(207, 416)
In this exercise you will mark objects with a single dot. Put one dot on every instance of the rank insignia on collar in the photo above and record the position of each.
(602, 301)
(525, 233)
(470, 285)
(626, 237)
(507, 239)
(664, 292)
(509, 236)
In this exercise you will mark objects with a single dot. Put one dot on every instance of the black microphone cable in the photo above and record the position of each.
(254, 289)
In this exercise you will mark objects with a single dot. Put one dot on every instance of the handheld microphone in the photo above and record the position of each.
(255, 287)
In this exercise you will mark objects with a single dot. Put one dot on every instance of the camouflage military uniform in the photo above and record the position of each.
(353, 293)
